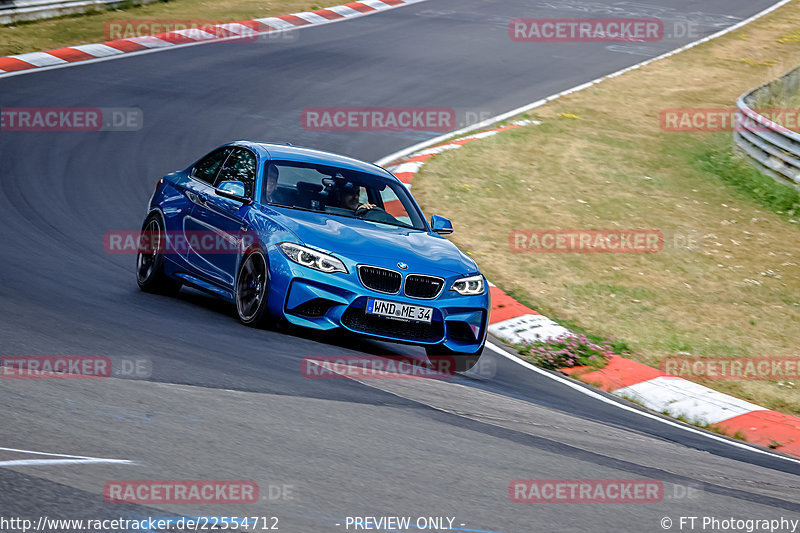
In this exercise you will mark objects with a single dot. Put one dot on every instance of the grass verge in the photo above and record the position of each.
(89, 27)
(600, 160)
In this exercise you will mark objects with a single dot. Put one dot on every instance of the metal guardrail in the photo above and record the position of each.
(773, 149)
(18, 10)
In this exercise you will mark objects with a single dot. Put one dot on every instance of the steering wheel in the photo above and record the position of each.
(376, 214)
(362, 211)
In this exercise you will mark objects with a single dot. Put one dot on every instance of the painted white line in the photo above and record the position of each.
(61, 459)
(44, 453)
(50, 462)
(610, 401)
(157, 45)
(514, 112)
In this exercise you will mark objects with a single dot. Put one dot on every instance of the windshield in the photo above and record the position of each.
(339, 192)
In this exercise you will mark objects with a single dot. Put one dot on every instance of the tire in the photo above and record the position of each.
(252, 289)
(445, 358)
(150, 274)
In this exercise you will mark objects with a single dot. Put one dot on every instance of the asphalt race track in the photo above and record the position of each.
(228, 402)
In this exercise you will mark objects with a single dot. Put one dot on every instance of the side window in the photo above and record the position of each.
(394, 206)
(240, 166)
(206, 169)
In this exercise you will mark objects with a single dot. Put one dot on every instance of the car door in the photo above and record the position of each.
(178, 211)
(221, 222)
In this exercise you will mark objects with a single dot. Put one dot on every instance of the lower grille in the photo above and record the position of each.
(460, 331)
(421, 286)
(313, 308)
(358, 320)
(380, 279)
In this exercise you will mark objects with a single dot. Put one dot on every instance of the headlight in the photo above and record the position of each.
(469, 286)
(312, 258)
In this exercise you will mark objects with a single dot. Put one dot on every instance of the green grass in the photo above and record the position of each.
(717, 158)
(619, 346)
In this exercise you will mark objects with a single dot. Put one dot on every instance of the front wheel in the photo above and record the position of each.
(150, 259)
(251, 290)
(445, 358)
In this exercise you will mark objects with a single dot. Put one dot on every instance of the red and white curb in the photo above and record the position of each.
(516, 323)
(247, 29)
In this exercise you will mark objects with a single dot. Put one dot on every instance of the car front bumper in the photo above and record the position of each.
(313, 299)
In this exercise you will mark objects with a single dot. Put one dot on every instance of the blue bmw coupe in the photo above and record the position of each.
(317, 239)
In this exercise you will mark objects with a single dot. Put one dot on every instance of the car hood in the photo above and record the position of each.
(377, 244)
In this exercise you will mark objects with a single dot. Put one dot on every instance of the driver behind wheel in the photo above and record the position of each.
(349, 195)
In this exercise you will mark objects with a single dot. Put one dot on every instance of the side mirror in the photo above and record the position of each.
(233, 190)
(441, 225)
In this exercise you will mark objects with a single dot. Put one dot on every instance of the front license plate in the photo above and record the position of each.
(417, 313)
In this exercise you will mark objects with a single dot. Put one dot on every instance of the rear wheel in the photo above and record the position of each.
(150, 259)
(251, 290)
(445, 358)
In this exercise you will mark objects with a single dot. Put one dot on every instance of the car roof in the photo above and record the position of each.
(285, 151)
